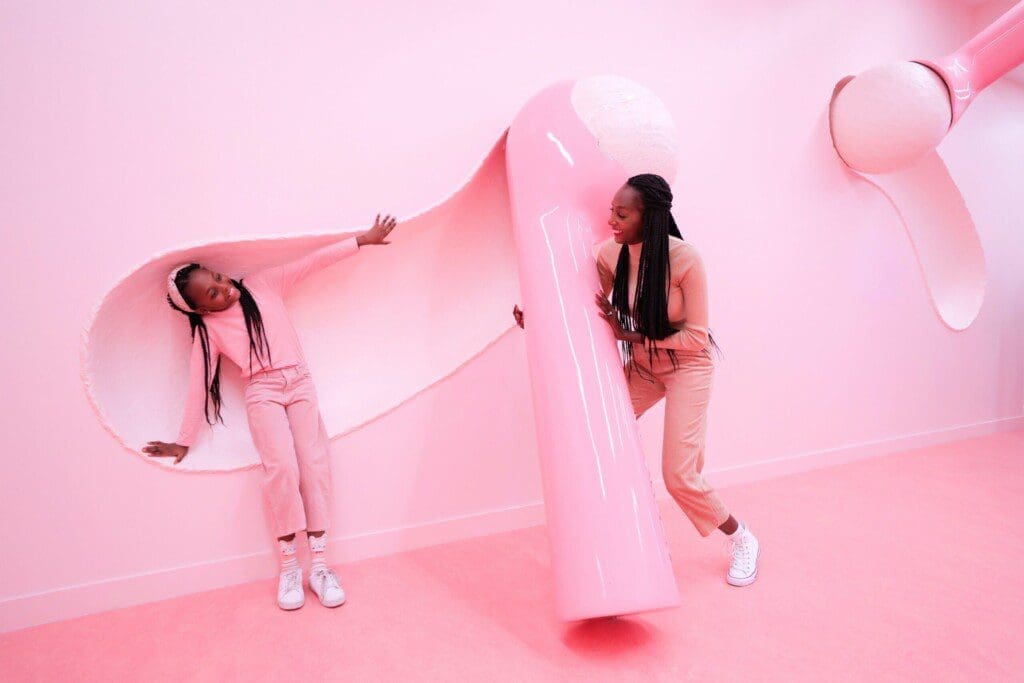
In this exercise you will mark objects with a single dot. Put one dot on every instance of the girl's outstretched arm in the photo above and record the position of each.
(285, 276)
(199, 376)
(195, 403)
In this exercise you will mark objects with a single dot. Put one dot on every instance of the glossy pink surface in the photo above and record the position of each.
(996, 50)
(608, 550)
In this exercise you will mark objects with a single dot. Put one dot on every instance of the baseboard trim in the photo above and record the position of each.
(67, 602)
(830, 457)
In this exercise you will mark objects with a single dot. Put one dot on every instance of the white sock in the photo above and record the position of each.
(318, 551)
(288, 558)
(739, 528)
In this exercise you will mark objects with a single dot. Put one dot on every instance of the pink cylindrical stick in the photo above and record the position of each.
(608, 549)
(982, 60)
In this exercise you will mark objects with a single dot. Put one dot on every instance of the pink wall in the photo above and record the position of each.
(128, 131)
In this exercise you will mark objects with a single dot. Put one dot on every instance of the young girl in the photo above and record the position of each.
(659, 308)
(246, 321)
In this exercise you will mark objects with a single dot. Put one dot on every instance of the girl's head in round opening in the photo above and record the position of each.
(194, 289)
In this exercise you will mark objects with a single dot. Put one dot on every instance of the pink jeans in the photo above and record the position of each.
(687, 392)
(289, 434)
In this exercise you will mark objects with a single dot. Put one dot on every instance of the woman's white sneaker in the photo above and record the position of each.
(289, 589)
(324, 583)
(745, 551)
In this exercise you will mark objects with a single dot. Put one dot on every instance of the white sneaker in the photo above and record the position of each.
(324, 583)
(745, 551)
(289, 589)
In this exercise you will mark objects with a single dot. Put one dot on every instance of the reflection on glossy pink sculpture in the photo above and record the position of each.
(609, 554)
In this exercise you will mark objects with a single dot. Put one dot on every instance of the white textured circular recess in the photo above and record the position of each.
(631, 124)
(886, 118)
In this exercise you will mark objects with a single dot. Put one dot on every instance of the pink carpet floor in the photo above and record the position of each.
(904, 567)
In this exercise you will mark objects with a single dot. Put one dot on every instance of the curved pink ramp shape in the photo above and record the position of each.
(943, 235)
(609, 554)
(376, 329)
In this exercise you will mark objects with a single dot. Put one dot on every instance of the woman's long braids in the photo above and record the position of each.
(258, 345)
(650, 302)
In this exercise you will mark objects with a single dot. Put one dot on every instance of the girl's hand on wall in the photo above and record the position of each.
(378, 234)
(159, 449)
(518, 314)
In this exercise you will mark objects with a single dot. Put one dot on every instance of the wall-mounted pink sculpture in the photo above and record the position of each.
(886, 123)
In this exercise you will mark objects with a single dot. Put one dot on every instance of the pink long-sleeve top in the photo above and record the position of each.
(687, 291)
(228, 336)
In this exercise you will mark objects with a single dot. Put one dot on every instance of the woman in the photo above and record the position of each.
(659, 309)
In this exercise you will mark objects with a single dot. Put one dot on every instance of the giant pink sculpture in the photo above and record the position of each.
(564, 164)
